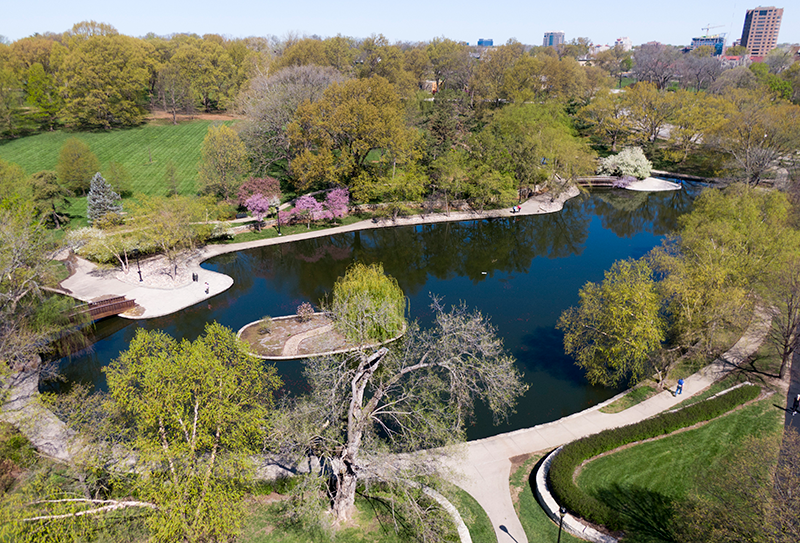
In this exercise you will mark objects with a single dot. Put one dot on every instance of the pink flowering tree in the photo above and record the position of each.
(268, 187)
(308, 209)
(336, 203)
(258, 205)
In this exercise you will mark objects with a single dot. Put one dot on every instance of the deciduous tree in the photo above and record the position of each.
(335, 135)
(616, 328)
(105, 80)
(269, 105)
(76, 165)
(223, 162)
(195, 412)
(412, 395)
(49, 196)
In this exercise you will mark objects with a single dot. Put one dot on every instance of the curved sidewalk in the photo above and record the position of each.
(88, 282)
(485, 467)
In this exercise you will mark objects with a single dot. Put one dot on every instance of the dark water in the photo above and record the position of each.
(521, 271)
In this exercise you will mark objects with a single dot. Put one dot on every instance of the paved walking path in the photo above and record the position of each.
(484, 468)
(88, 282)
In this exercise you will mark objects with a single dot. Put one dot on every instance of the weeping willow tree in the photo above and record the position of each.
(368, 306)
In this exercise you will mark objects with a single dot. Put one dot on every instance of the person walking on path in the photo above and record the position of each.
(679, 388)
(796, 405)
(206, 287)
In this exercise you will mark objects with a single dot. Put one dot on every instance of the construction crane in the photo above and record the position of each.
(709, 27)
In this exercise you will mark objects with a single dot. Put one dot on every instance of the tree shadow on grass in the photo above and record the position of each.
(646, 516)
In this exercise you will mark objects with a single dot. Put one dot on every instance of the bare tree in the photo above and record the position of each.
(269, 105)
(656, 63)
(416, 394)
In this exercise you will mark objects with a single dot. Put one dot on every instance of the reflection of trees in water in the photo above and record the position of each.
(306, 270)
(627, 213)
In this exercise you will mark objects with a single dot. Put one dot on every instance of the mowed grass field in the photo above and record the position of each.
(144, 152)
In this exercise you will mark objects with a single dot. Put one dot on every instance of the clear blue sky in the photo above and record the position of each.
(667, 21)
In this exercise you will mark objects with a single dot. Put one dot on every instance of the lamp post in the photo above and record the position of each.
(562, 511)
(138, 266)
(278, 215)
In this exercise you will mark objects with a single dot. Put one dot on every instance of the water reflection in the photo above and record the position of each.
(521, 271)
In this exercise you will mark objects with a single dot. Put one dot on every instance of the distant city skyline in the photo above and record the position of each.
(675, 22)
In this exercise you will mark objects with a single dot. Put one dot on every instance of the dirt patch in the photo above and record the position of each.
(159, 115)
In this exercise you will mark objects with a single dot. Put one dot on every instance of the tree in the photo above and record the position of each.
(42, 91)
(755, 132)
(258, 205)
(173, 224)
(76, 165)
(711, 273)
(615, 330)
(368, 306)
(101, 200)
(335, 135)
(417, 393)
(104, 81)
(535, 144)
(10, 101)
(175, 89)
(12, 180)
(649, 109)
(336, 202)
(266, 186)
(655, 63)
(195, 412)
(223, 162)
(628, 162)
(269, 105)
(451, 63)
(49, 196)
(607, 117)
(785, 290)
(694, 116)
(307, 207)
(30, 315)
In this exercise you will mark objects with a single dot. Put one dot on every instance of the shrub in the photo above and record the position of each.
(562, 469)
(628, 162)
(265, 325)
(305, 311)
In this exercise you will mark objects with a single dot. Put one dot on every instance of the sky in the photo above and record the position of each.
(667, 21)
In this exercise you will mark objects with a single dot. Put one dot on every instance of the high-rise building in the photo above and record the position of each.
(716, 42)
(485, 42)
(553, 38)
(761, 27)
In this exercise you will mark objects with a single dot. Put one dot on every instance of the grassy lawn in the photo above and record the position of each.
(634, 396)
(144, 151)
(272, 232)
(473, 515)
(535, 522)
(646, 479)
(373, 524)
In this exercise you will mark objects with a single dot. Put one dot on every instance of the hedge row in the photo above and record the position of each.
(565, 463)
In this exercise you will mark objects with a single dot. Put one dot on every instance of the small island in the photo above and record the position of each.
(342, 327)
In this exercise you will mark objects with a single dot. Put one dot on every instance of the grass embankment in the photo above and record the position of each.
(535, 522)
(645, 482)
(144, 151)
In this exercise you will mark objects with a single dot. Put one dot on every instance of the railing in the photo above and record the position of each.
(106, 308)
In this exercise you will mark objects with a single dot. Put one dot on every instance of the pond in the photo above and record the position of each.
(521, 271)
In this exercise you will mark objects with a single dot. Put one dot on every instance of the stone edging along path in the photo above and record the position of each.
(571, 523)
(483, 467)
(292, 344)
